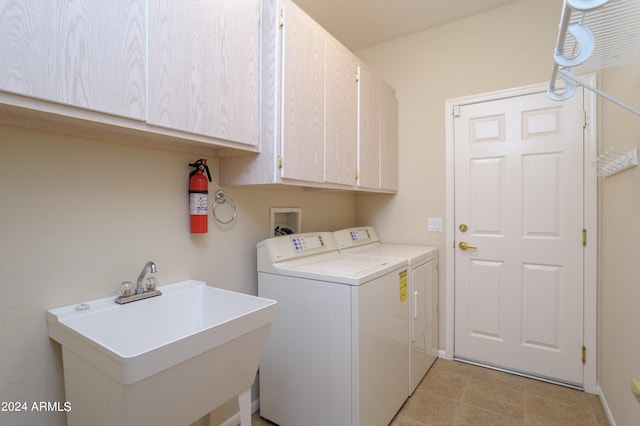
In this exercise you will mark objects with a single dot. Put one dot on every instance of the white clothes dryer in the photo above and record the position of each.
(337, 350)
(423, 292)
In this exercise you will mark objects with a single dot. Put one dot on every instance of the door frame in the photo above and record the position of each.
(590, 220)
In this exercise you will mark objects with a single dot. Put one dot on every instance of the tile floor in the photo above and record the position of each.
(455, 393)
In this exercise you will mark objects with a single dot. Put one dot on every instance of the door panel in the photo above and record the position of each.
(540, 305)
(487, 195)
(519, 188)
(486, 287)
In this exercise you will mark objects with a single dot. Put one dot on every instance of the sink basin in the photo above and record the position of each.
(165, 360)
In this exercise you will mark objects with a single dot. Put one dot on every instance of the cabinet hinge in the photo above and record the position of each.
(584, 119)
(279, 162)
(584, 237)
(584, 354)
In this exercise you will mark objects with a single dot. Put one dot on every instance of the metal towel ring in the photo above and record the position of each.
(220, 198)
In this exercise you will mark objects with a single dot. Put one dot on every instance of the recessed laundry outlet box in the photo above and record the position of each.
(285, 219)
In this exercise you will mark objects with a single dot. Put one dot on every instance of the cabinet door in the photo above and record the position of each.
(88, 54)
(204, 67)
(369, 136)
(378, 137)
(388, 137)
(341, 115)
(302, 97)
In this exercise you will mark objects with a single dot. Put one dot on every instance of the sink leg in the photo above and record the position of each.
(244, 401)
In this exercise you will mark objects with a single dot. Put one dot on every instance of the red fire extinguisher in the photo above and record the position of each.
(198, 190)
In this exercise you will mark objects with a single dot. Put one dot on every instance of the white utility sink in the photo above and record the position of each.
(164, 360)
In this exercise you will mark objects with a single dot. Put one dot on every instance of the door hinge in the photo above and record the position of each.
(584, 237)
(281, 20)
(584, 119)
(584, 354)
(279, 161)
(358, 75)
(456, 111)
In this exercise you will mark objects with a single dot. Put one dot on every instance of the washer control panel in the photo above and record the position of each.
(309, 242)
(297, 245)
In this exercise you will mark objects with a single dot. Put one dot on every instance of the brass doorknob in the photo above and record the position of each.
(465, 246)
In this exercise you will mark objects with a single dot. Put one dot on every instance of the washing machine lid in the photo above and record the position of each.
(413, 254)
(341, 268)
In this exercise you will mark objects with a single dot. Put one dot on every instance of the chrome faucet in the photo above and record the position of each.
(148, 267)
(141, 292)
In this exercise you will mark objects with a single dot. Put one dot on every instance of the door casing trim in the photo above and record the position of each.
(590, 220)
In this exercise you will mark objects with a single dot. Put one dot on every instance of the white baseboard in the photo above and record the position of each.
(235, 419)
(605, 407)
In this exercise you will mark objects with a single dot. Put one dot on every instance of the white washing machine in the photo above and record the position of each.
(337, 350)
(423, 292)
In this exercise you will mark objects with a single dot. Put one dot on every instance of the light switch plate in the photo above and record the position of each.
(434, 224)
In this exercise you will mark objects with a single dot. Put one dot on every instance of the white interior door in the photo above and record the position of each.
(519, 206)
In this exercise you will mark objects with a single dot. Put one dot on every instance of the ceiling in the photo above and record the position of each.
(363, 23)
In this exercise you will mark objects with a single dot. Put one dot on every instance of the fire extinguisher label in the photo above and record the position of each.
(198, 204)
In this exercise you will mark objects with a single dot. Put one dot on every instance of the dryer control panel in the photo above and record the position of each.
(352, 237)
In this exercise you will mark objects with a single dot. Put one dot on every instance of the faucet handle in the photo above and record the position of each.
(126, 289)
(151, 283)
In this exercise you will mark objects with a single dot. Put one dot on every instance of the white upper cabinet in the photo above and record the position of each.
(388, 137)
(312, 108)
(319, 103)
(88, 54)
(224, 77)
(204, 67)
(341, 115)
(369, 135)
(169, 73)
(378, 136)
(302, 96)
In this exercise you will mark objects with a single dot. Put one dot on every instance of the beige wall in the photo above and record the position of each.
(619, 284)
(505, 48)
(77, 217)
